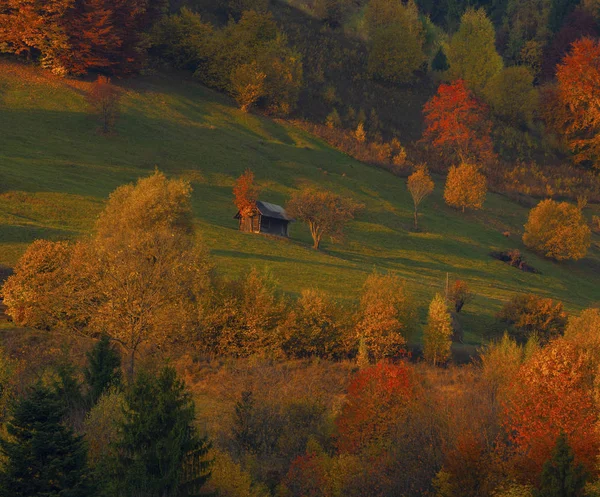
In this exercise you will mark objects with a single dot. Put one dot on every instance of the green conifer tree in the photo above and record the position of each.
(561, 477)
(160, 453)
(43, 457)
(103, 370)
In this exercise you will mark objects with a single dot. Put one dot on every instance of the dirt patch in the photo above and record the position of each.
(514, 258)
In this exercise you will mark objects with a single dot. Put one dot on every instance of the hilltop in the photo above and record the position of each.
(56, 171)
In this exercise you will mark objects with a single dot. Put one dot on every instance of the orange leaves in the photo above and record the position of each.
(246, 194)
(465, 187)
(457, 124)
(557, 230)
(551, 394)
(578, 100)
(377, 398)
(324, 212)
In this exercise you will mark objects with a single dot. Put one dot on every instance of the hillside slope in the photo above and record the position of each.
(56, 172)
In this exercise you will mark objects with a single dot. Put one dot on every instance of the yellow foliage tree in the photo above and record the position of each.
(557, 230)
(420, 185)
(465, 187)
(386, 317)
(512, 96)
(437, 336)
(248, 85)
(472, 54)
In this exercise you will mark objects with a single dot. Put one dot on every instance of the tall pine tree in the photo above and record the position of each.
(160, 451)
(43, 457)
(103, 370)
(561, 477)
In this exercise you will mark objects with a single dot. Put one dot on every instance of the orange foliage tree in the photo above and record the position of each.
(420, 185)
(557, 230)
(246, 194)
(465, 187)
(578, 95)
(457, 124)
(551, 394)
(323, 211)
(377, 399)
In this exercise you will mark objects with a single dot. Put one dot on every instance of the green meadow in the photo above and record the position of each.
(56, 171)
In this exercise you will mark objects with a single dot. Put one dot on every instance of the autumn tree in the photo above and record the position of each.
(376, 401)
(33, 295)
(103, 99)
(551, 394)
(396, 47)
(457, 124)
(420, 185)
(472, 54)
(578, 93)
(136, 279)
(527, 27)
(386, 317)
(530, 314)
(325, 212)
(557, 230)
(255, 39)
(437, 336)
(313, 327)
(512, 96)
(465, 187)
(74, 37)
(248, 83)
(246, 193)
(460, 294)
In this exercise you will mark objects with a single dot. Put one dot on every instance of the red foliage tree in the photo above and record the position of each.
(377, 398)
(457, 124)
(578, 92)
(246, 194)
(306, 477)
(552, 393)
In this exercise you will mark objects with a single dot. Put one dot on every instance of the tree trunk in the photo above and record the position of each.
(416, 221)
(132, 365)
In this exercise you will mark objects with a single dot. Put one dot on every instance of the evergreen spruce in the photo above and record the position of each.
(104, 369)
(43, 457)
(561, 477)
(160, 453)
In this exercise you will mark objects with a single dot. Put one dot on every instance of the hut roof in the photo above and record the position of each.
(272, 210)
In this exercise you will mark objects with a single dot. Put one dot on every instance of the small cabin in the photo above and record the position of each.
(269, 218)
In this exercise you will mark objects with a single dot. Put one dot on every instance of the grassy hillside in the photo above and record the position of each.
(56, 172)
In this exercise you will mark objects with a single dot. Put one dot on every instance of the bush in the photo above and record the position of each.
(530, 314)
(557, 230)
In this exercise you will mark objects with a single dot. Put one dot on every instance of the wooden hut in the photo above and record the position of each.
(269, 218)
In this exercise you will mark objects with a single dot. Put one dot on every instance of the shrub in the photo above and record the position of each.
(530, 314)
(557, 230)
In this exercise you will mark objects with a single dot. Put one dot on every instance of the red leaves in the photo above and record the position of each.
(457, 123)
(552, 394)
(246, 194)
(376, 400)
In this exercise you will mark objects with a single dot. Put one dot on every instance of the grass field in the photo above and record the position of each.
(56, 171)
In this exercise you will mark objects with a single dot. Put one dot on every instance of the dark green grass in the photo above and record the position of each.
(56, 171)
